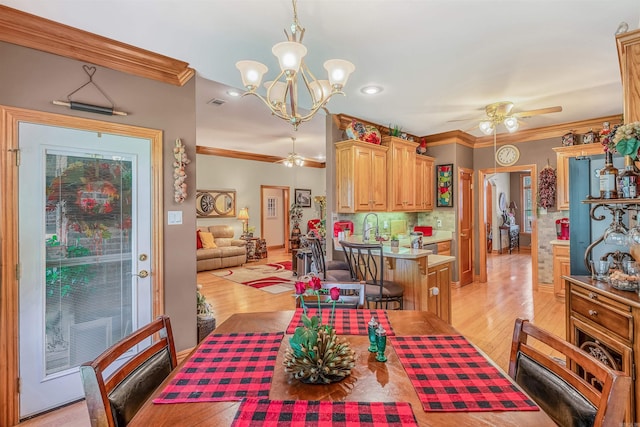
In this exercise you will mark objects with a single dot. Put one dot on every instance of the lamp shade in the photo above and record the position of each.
(339, 71)
(511, 123)
(251, 73)
(289, 55)
(276, 92)
(321, 89)
(486, 127)
(243, 214)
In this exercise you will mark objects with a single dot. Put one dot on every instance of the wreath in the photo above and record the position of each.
(90, 194)
(547, 187)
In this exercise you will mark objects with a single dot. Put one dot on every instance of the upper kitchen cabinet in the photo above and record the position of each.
(563, 154)
(629, 57)
(401, 174)
(424, 183)
(361, 177)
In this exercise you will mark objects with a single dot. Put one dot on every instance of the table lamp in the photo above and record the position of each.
(243, 216)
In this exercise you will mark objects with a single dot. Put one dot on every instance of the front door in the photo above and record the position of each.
(84, 251)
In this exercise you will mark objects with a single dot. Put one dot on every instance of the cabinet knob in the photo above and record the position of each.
(593, 313)
(593, 296)
(434, 291)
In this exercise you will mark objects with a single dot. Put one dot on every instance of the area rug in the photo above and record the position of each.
(274, 278)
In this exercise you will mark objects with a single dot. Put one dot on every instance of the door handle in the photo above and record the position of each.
(142, 274)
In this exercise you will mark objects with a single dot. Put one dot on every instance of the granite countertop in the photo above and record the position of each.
(405, 240)
(387, 250)
(435, 260)
(560, 242)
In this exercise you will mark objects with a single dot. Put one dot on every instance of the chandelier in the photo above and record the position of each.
(282, 92)
(498, 112)
(293, 159)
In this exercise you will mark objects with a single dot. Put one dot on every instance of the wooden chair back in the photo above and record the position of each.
(598, 397)
(115, 391)
(352, 295)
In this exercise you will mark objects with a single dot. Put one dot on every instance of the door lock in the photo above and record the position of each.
(143, 257)
(142, 274)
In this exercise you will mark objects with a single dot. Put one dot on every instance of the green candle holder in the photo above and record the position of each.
(381, 343)
(372, 326)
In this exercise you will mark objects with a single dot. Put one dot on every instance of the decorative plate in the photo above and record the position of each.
(568, 139)
(362, 132)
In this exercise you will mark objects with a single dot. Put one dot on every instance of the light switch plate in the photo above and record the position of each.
(175, 218)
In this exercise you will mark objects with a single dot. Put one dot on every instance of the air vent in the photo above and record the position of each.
(216, 101)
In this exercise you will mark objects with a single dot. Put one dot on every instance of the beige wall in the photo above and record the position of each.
(32, 79)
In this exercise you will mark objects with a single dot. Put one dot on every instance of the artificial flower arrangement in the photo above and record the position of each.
(547, 188)
(623, 139)
(316, 355)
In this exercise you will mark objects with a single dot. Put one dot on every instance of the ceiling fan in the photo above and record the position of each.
(293, 158)
(501, 112)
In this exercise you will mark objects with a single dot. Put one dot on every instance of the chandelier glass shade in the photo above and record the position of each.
(497, 113)
(282, 92)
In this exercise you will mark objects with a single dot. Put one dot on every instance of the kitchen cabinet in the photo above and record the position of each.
(563, 154)
(629, 56)
(361, 177)
(444, 248)
(424, 183)
(601, 320)
(438, 295)
(401, 174)
(561, 267)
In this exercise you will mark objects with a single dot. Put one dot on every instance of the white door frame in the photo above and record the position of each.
(9, 269)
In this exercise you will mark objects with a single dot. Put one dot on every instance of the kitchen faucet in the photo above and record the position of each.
(366, 231)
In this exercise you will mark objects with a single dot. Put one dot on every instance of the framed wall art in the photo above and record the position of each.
(303, 197)
(215, 203)
(444, 185)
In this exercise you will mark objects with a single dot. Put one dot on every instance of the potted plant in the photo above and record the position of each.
(395, 242)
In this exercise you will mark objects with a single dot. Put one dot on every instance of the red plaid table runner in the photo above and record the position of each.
(449, 374)
(298, 413)
(346, 321)
(226, 367)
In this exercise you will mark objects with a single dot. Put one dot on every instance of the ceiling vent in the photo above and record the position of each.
(216, 101)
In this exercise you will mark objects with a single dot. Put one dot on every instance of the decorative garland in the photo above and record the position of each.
(179, 174)
(547, 187)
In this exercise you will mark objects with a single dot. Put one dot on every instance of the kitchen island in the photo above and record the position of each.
(425, 277)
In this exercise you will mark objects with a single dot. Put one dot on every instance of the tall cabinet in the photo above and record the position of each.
(401, 173)
(361, 177)
(424, 183)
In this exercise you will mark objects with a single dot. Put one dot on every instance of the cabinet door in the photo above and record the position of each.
(345, 170)
(377, 182)
(424, 183)
(363, 186)
(438, 295)
(401, 167)
(561, 267)
(563, 154)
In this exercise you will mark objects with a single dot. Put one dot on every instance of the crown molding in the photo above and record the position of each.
(211, 151)
(32, 31)
(343, 120)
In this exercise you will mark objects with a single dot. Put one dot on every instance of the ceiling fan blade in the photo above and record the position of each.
(524, 114)
(465, 120)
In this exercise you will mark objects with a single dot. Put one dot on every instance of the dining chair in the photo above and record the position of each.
(366, 263)
(352, 296)
(329, 271)
(591, 395)
(115, 390)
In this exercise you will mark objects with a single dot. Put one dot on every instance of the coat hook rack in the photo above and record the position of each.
(91, 108)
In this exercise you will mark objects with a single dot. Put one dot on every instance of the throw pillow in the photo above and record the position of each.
(207, 240)
(198, 240)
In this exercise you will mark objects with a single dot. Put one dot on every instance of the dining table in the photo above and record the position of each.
(369, 381)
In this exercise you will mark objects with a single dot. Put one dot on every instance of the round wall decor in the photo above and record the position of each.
(507, 155)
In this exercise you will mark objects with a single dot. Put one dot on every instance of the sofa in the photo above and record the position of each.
(229, 252)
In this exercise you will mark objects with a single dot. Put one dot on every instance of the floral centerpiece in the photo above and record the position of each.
(624, 139)
(317, 355)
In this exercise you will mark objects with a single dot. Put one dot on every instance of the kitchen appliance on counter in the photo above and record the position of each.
(427, 230)
(343, 226)
(562, 229)
(416, 239)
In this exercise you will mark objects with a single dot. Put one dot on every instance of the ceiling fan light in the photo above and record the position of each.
(289, 55)
(486, 127)
(511, 123)
(251, 73)
(339, 71)
(299, 161)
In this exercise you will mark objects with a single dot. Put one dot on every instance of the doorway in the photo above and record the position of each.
(483, 177)
(274, 216)
(81, 230)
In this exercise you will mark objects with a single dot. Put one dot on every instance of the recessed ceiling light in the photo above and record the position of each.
(371, 90)
(233, 92)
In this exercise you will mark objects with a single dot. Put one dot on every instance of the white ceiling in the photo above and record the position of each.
(438, 60)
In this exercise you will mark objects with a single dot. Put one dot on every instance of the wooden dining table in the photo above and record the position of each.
(370, 380)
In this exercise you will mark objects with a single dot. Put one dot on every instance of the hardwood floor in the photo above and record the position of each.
(482, 312)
